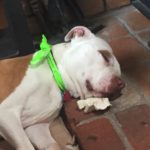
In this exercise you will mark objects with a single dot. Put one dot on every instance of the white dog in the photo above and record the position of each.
(88, 69)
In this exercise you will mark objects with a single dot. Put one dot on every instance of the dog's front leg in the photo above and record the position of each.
(40, 136)
(12, 131)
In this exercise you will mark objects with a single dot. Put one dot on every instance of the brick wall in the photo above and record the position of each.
(3, 21)
(93, 7)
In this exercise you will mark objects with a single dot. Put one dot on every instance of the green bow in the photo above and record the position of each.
(45, 53)
(41, 54)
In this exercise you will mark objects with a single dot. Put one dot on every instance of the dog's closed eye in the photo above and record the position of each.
(107, 56)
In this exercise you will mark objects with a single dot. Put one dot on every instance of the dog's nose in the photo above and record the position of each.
(116, 83)
(120, 84)
(114, 86)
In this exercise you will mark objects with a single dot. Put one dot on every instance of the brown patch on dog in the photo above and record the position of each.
(106, 55)
(12, 72)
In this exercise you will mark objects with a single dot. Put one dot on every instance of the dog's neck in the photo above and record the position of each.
(58, 52)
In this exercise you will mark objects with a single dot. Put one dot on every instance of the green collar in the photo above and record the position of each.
(45, 52)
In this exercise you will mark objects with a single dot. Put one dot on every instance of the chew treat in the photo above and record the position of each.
(92, 104)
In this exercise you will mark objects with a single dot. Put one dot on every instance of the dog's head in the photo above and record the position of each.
(90, 65)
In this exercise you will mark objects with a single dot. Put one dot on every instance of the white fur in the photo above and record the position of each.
(82, 61)
(37, 100)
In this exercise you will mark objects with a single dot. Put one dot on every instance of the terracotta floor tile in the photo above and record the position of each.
(136, 124)
(136, 20)
(98, 135)
(117, 3)
(142, 75)
(129, 52)
(112, 30)
(130, 96)
(74, 115)
(145, 36)
(134, 60)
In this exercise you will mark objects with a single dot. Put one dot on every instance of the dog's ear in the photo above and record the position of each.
(79, 31)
